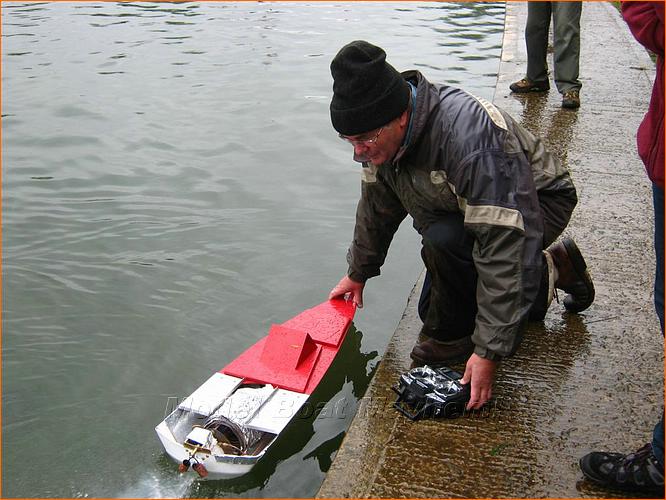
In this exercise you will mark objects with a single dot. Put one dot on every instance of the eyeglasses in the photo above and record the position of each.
(362, 142)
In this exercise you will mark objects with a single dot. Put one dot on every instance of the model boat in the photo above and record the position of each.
(227, 425)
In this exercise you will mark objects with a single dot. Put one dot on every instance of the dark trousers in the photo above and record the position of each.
(658, 197)
(447, 305)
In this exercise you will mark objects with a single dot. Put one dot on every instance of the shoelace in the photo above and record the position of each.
(641, 457)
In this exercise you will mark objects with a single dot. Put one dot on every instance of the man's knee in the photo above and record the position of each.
(448, 239)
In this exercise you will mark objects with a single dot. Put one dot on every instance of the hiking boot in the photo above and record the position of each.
(572, 275)
(639, 471)
(435, 352)
(523, 86)
(571, 99)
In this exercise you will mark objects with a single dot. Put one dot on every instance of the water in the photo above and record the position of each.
(171, 187)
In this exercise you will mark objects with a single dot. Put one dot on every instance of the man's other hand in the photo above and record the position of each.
(350, 290)
(481, 373)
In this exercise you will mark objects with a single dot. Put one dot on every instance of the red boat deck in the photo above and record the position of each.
(296, 354)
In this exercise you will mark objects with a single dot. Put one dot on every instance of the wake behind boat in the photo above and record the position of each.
(226, 426)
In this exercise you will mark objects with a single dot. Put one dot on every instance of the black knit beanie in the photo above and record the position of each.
(367, 91)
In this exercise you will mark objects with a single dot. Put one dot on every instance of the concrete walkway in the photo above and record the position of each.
(578, 382)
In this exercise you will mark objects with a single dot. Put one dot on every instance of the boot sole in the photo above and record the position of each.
(570, 105)
(576, 257)
(580, 266)
(531, 90)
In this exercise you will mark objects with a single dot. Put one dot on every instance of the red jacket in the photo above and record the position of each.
(646, 22)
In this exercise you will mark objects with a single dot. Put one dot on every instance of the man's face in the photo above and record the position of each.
(380, 145)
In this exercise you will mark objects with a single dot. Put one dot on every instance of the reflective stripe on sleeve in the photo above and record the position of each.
(495, 216)
(492, 111)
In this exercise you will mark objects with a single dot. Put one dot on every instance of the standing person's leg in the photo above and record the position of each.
(566, 41)
(658, 442)
(536, 40)
(658, 198)
(447, 305)
(642, 470)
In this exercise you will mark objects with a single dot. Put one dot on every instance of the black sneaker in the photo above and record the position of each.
(638, 472)
(523, 86)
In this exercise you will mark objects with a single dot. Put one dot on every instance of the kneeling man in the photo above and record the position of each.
(487, 198)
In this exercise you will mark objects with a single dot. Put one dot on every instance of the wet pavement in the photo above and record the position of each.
(578, 382)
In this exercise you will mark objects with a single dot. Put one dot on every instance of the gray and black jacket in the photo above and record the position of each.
(466, 155)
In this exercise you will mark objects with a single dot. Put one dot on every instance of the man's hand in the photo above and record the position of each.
(481, 373)
(350, 289)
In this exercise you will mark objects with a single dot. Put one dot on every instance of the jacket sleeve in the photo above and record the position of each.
(646, 22)
(378, 216)
(497, 196)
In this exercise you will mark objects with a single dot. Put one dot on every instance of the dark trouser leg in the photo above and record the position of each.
(658, 197)
(658, 441)
(447, 305)
(536, 40)
(541, 302)
(424, 299)
(566, 40)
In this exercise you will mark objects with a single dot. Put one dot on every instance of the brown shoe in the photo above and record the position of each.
(573, 276)
(525, 85)
(571, 99)
(434, 352)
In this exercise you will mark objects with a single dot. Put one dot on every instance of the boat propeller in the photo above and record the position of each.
(197, 467)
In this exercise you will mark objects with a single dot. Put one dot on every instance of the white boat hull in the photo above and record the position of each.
(263, 410)
(226, 426)
(220, 467)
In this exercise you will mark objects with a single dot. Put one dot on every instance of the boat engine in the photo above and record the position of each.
(232, 437)
(228, 424)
